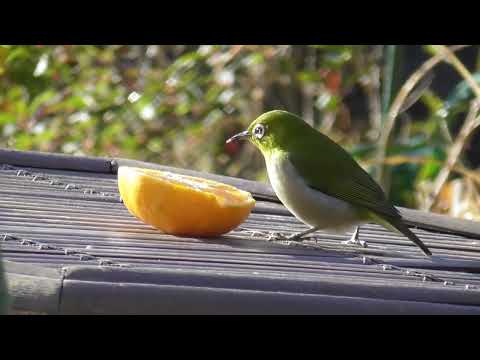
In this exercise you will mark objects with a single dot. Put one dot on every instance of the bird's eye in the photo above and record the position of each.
(259, 131)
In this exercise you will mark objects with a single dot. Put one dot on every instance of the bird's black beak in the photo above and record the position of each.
(241, 135)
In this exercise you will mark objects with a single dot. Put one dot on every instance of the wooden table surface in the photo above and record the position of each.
(71, 247)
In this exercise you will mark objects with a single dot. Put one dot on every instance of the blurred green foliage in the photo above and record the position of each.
(176, 104)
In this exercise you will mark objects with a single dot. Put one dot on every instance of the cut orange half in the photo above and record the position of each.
(183, 205)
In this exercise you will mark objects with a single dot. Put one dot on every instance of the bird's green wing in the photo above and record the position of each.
(328, 168)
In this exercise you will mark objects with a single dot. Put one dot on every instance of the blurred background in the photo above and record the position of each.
(177, 104)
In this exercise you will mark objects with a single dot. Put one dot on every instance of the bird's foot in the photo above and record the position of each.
(300, 236)
(274, 235)
(295, 237)
(354, 240)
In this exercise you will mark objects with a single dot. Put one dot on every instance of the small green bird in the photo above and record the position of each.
(318, 181)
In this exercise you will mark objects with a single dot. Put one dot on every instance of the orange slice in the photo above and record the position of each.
(183, 205)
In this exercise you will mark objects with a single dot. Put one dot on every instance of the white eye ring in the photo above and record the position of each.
(259, 131)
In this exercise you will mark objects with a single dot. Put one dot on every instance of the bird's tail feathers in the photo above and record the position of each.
(400, 226)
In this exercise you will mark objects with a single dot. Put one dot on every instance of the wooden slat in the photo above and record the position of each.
(241, 263)
(330, 285)
(55, 161)
(82, 297)
(33, 288)
(3, 289)
(110, 291)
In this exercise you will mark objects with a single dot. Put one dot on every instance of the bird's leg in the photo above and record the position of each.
(294, 237)
(354, 239)
(275, 235)
(298, 236)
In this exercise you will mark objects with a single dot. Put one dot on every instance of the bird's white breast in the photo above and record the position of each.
(308, 205)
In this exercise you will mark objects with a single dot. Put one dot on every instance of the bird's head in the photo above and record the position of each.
(272, 130)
